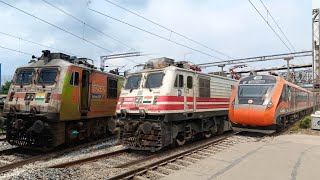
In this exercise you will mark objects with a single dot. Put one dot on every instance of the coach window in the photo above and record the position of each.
(189, 82)
(112, 88)
(179, 81)
(74, 80)
(204, 87)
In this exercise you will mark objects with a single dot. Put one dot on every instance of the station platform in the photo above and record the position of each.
(284, 157)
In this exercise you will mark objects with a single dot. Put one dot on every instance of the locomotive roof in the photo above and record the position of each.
(285, 81)
(180, 69)
(60, 63)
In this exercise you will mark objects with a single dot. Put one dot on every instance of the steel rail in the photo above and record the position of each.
(89, 159)
(139, 170)
(45, 156)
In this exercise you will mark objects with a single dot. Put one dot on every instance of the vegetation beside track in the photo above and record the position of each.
(303, 127)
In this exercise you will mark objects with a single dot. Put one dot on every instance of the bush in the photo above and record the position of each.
(305, 123)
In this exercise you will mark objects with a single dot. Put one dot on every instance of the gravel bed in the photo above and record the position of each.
(37, 170)
(47, 173)
(101, 169)
(5, 145)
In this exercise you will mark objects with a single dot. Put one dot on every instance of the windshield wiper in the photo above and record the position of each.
(147, 84)
(42, 83)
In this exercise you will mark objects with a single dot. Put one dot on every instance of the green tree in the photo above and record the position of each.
(5, 88)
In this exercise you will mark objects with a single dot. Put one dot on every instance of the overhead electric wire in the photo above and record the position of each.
(22, 52)
(68, 32)
(87, 24)
(32, 42)
(269, 25)
(154, 34)
(168, 29)
(279, 27)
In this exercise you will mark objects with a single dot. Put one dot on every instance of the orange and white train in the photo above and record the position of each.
(266, 103)
(170, 103)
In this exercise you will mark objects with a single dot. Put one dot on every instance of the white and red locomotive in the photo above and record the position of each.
(170, 103)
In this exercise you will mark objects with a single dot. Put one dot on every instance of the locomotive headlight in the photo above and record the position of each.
(269, 105)
(11, 96)
(155, 99)
(122, 100)
(48, 98)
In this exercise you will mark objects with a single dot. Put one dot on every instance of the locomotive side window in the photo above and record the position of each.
(179, 81)
(74, 80)
(24, 76)
(204, 87)
(189, 82)
(284, 95)
(133, 82)
(47, 76)
(112, 88)
(154, 80)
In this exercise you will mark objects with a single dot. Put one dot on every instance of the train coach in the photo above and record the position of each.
(266, 103)
(170, 103)
(57, 99)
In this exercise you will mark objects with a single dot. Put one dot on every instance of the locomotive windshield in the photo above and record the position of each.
(24, 76)
(47, 76)
(255, 88)
(254, 91)
(133, 82)
(154, 80)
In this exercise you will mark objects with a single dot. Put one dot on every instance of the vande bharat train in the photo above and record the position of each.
(266, 104)
(170, 103)
(58, 99)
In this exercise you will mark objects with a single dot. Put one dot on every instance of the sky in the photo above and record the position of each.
(231, 27)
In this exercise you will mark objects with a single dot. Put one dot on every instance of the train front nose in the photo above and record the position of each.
(251, 115)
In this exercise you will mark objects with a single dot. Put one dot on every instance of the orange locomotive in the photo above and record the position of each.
(267, 103)
(59, 99)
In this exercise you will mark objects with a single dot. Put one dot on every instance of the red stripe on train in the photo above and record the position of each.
(174, 99)
(213, 99)
(212, 106)
(172, 106)
(179, 99)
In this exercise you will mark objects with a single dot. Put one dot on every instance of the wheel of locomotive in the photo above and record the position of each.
(207, 134)
(180, 139)
(281, 125)
(220, 127)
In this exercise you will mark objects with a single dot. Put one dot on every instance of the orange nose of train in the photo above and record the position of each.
(252, 117)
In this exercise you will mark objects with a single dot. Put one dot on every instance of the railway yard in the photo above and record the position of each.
(103, 160)
(109, 160)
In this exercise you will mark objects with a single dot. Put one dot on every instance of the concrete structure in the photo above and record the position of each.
(285, 157)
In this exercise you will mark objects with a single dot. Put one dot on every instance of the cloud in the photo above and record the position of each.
(233, 28)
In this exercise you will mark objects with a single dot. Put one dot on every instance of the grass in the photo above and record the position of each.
(295, 126)
(305, 123)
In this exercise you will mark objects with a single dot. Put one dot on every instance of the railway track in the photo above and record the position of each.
(182, 156)
(168, 164)
(42, 156)
(89, 159)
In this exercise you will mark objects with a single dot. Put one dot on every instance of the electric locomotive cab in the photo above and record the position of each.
(252, 104)
(29, 102)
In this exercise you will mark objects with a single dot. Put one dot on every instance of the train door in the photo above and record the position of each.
(189, 104)
(85, 90)
(179, 84)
